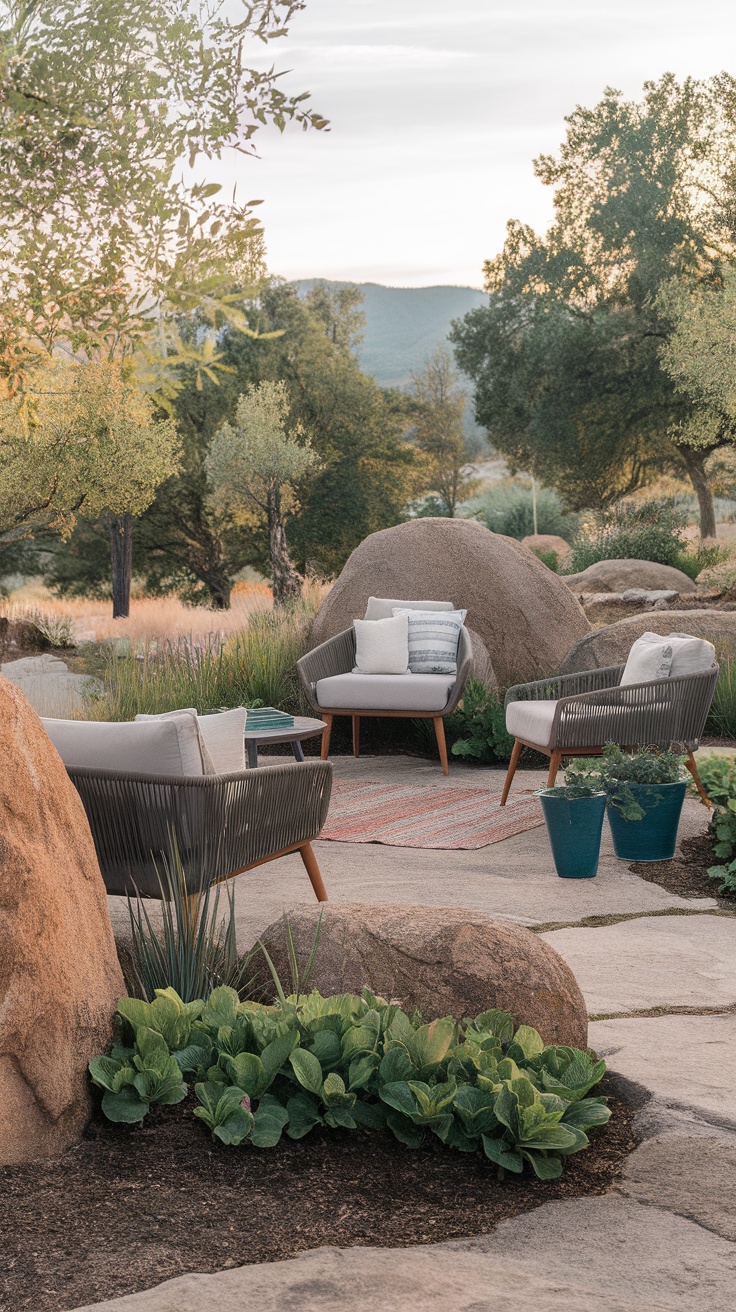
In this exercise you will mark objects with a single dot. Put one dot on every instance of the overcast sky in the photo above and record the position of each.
(437, 111)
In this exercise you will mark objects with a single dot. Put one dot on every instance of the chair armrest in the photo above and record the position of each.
(565, 685)
(657, 713)
(221, 823)
(335, 656)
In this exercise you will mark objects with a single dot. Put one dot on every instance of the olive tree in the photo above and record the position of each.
(254, 464)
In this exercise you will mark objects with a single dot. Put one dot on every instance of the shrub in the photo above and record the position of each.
(548, 558)
(718, 774)
(348, 1061)
(508, 508)
(615, 771)
(648, 530)
(250, 668)
(477, 729)
(722, 714)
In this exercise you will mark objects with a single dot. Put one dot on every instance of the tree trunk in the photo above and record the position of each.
(121, 543)
(695, 459)
(285, 582)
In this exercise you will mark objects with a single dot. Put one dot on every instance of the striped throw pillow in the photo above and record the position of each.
(433, 639)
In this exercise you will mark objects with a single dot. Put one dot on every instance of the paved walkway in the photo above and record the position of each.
(659, 976)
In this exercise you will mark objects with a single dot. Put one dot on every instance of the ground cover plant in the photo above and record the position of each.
(348, 1061)
(718, 774)
(477, 729)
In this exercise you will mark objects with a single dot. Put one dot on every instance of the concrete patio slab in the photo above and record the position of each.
(661, 961)
(705, 1158)
(686, 1062)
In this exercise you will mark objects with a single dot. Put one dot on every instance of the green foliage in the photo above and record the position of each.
(508, 507)
(346, 1061)
(718, 774)
(615, 772)
(569, 359)
(253, 667)
(548, 558)
(722, 714)
(647, 530)
(477, 729)
(438, 431)
(195, 950)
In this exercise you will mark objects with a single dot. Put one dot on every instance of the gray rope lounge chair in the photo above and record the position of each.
(223, 824)
(409, 696)
(577, 714)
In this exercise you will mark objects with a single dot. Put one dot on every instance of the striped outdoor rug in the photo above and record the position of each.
(425, 815)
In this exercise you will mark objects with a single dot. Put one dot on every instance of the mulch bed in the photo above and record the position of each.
(686, 874)
(127, 1209)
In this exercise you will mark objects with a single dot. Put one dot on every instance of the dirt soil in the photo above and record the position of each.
(686, 874)
(128, 1208)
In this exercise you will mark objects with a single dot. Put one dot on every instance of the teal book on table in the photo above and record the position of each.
(267, 717)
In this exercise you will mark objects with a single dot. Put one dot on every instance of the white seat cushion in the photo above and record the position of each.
(381, 608)
(169, 746)
(385, 692)
(531, 721)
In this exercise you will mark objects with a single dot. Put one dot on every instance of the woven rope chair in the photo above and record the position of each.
(337, 656)
(222, 824)
(591, 709)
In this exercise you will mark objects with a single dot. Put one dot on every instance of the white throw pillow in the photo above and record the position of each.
(208, 766)
(223, 738)
(433, 639)
(169, 747)
(690, 655)
(382, 608)
(650, 658)
(382, 646)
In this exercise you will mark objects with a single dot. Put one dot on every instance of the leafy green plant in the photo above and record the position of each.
(645, 530)
(346, 1061)
(616, 771)
(508, 507)
(477, 729)
(195, 949)
(718, 774)
(548, 558)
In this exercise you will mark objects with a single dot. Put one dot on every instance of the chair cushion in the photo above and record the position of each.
(382, 608)
(433, 639)
(657, 656)
(531, 721)
(224, 739)
(382, 646)
(385, 692)
(208, 766)
(170, 746)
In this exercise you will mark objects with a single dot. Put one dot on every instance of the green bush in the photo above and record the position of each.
(616, 770)
(548, 558)
(508, 508)
(722, 715)
(718, 774)
(477, 729)
(348, 1061)
(255, 667)
(648, 530)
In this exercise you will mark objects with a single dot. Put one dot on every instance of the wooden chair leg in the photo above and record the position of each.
(515, 754)
(439, 729)
(310, 865)
(356, 735)
(325, 750)
(693, 768)
(554, 765)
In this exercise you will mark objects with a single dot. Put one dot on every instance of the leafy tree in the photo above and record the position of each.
(569, 359)
(88, 441)
(438, 430)
(255, 463)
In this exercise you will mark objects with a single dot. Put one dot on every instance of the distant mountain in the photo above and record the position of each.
(404, 325)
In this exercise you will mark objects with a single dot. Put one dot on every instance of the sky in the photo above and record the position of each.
(437, 111)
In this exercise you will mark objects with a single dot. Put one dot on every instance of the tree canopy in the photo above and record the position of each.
(570, 358)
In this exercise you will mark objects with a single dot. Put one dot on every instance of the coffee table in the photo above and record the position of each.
(303, 727)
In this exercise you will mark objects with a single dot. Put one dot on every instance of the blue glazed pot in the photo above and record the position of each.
(654, 837)
(574, 826)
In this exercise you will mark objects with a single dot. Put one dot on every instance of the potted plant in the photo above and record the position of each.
(573, 814)
(644, 791)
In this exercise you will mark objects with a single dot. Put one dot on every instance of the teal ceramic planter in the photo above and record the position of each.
(654, 837)
(574, 826)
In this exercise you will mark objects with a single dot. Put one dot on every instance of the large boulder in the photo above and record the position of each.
(620, 575)
(443, 961)
(612, 644)
(523, 613)
(59, 973)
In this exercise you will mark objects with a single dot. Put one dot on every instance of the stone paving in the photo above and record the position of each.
(664, 1239)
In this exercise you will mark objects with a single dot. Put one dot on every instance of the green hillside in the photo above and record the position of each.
(404, 325)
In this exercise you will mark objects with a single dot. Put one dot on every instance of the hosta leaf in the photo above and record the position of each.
(499, 1152)
(269, 1121)
(152, 1051)
(404, 1130)
(545, 1168)
(236, 1127)
(334, 1094)
(431, 1043)
(167, 1090)
(125, 1106)
(327, 1048)
(307, 1070)
(209, 1094)
(103, 1071)
(303, 1114)
(528, 1040)
(135, 1011)
(371, 1114)
(552, 1136)
(357, 1040)
(340, 1117)
(247, 1071)
(277, 1052)
(193, 1058)
(361, 1071)
(221, 1008)
(400, 1097)
(498, 1023)
(586, 1113)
